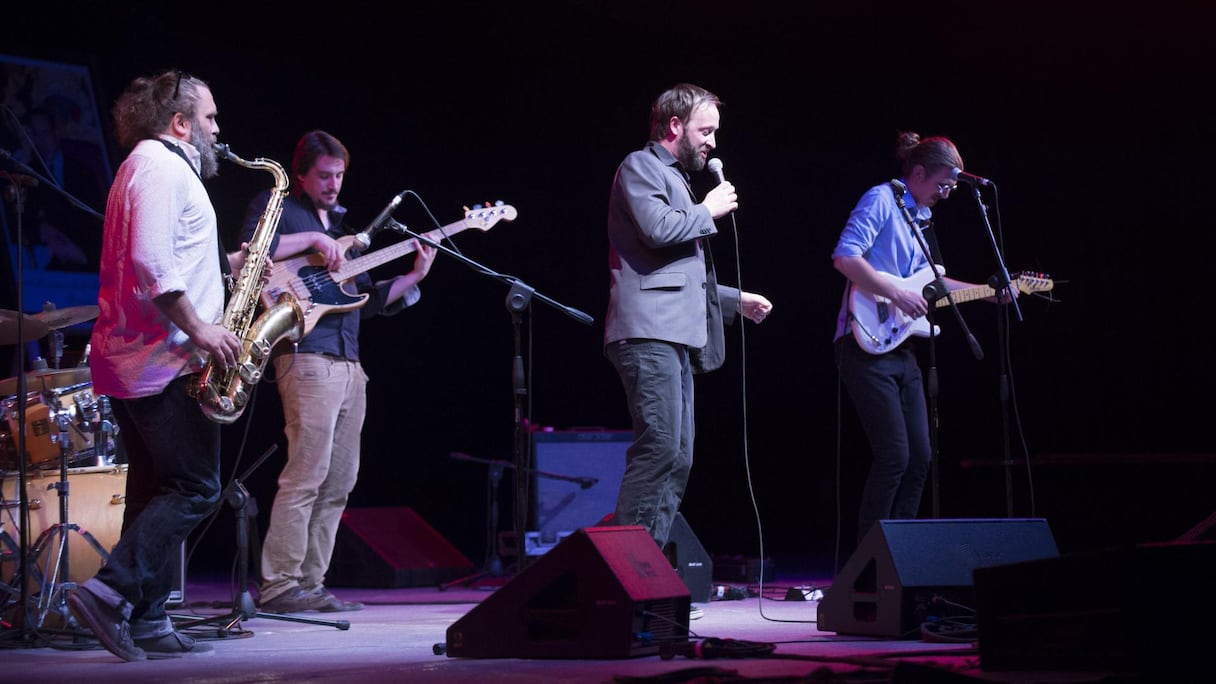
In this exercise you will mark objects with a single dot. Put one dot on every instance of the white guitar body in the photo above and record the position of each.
(879, 326)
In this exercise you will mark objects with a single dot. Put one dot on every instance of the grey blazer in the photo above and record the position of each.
(663, 285)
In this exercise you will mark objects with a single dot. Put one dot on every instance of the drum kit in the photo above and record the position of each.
(54, 422)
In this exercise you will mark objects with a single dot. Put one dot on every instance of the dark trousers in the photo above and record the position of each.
(887, 391)
(173, 482)
(657, 378)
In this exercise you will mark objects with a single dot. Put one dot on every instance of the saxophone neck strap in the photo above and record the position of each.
(225, 267)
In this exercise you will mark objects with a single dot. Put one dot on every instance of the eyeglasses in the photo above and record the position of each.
(946, 188)
(177, 87)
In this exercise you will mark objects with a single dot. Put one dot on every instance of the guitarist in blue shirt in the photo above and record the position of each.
(880, 254)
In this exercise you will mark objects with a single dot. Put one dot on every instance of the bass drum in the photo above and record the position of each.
(96, 501)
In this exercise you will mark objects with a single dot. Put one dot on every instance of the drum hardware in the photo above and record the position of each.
(50, 583)
(56, 319)
(31, 328)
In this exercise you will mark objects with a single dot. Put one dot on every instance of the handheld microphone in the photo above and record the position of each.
(969, 178)
(715, 167)
(365, 237)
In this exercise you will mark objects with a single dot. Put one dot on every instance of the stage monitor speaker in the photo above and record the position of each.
(602, 592)
(691, 562)
(588, 465)
(907, 572)
(392, 547)
(1127, 610)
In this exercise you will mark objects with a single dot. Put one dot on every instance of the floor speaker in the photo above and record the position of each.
(602, 592)
(392, 547)
(1111, 610)
(691, 562)
(908, 572)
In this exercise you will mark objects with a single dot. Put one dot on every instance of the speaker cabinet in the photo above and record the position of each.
(392, 547)
(691, 562)
(602, 592)
(906, 572)
(1129, 610)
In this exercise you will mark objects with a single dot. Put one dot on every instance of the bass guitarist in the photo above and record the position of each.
(886, 389)
(323, 387)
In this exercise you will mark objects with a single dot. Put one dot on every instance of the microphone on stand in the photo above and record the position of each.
(898, 186)
(365, 237)
(969, 178)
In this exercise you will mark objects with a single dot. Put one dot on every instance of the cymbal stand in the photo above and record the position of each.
(243, 608)
(54, 583)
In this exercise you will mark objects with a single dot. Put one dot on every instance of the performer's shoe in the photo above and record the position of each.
(294, 600)
(107, 624)
(173, 644)
(332, 604)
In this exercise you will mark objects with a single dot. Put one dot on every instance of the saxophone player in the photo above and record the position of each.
(160, 301)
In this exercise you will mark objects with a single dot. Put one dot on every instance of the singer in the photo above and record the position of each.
(665, 310)
(323, 386)
(886, 389)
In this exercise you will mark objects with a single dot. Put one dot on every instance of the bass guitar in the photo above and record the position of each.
(879, 326)
(321, 291)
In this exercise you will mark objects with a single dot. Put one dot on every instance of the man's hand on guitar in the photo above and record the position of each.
(911, 303)
(329, 249)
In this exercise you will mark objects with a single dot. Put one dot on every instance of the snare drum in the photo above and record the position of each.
(96, 501)
(42, 430)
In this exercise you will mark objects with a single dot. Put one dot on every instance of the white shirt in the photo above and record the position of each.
(161, 236)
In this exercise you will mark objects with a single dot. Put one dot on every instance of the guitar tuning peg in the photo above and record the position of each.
(466, 209)
(498, 203)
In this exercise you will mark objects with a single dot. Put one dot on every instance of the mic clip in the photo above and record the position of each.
(396, 227)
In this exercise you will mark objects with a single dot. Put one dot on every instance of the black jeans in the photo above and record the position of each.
(173, 482)
(889, 396)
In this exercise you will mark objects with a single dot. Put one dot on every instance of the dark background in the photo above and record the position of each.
(1092, 121)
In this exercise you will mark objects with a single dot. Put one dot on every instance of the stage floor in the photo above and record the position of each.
(400, 636)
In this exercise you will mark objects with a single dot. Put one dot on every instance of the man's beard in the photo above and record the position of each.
(209, 163)
(687, 155)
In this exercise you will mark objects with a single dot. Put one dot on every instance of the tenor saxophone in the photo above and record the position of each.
(222, 395)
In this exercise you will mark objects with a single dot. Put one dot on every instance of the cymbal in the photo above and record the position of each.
(46, 379)
(62, 318)
(31, 328)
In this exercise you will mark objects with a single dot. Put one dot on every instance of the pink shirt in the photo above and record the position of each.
(160, 236)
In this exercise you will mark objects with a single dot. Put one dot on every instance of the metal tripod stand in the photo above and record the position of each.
(243, 607)
(52, 579)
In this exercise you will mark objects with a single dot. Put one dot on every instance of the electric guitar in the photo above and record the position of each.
(321, 291)
(879, 326)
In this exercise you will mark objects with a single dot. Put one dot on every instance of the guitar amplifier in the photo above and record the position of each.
(578, 473)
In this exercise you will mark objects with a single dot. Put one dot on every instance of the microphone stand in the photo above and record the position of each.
(519, 298)
(933, 292)
(43, 179)
(243, 607)
(1000, 281)
(24, 562)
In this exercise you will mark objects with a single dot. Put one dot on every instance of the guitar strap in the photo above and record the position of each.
(935, 253)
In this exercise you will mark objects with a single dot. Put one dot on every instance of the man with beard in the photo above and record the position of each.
(322, 385)
(665, 309)
(161, 303)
